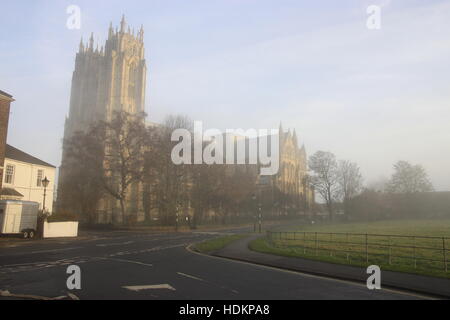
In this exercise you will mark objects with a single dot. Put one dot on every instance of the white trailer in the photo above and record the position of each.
(18, 217)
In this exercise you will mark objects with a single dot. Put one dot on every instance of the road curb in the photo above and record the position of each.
(354, 281)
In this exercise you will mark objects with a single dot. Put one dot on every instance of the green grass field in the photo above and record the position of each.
(393, 245)
(217, 243)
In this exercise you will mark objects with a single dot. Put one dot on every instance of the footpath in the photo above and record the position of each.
(239, 250)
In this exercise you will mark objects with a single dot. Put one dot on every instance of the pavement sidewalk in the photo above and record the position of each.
(421, 284)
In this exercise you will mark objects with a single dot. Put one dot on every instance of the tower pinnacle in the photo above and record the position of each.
(294, 136)
(91, 41)
(123, 24)
(141, 33)
(111, 30)
(81, 45)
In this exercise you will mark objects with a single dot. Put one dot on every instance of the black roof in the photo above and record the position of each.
(10, 192)
(16, 154)
(5, 94)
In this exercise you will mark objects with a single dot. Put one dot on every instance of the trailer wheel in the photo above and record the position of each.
(25, 234)
(31, 234)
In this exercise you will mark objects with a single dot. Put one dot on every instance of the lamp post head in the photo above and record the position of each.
(45, 182)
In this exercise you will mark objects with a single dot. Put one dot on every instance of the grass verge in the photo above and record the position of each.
(406, 254)
(218, 243)
(264, 246)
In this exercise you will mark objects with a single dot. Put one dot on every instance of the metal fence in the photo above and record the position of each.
(414, 251)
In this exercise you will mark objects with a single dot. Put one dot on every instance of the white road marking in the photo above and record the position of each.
(189, 276)
(212, 233)
(206, 281)
(131, 261)
(54, 250)
(150, 287)
(77, 260)
(159, 248)
(6, 293)
(114, 244)
(42, 251)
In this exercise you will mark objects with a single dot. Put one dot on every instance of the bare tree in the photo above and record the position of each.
(325, 177)
(349, 180)
(111, 153)
(119, 145)
(207, 183)
(409, 178)
(167, 185)
(236, 186)
(81, 188)
(125, 139)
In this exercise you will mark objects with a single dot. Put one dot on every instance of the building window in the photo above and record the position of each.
(9, 174)
(132, 82)
(40, 175)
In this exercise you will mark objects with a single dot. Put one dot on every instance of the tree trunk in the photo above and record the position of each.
(346, 208)
(122, 210)
(330, 210)
(330, 205)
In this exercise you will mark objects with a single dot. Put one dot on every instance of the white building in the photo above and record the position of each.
(23, 175)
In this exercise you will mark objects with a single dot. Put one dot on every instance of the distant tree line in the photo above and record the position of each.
(130, 162)
(408, 193)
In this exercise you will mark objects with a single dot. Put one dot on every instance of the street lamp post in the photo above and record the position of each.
(45, 183)
(254, 221)
(177, 209)
(260, 218)
(259, 196)
(176, 220)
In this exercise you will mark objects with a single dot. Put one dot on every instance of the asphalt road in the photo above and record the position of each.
(123, 265)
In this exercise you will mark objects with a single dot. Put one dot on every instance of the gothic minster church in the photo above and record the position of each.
(106, 79)
(113, 78)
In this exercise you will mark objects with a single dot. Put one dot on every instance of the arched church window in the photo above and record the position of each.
(132, 76)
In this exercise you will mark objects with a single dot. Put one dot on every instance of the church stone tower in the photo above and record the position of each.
(106, 79)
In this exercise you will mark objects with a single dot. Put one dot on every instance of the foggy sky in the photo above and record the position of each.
(370, 96)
